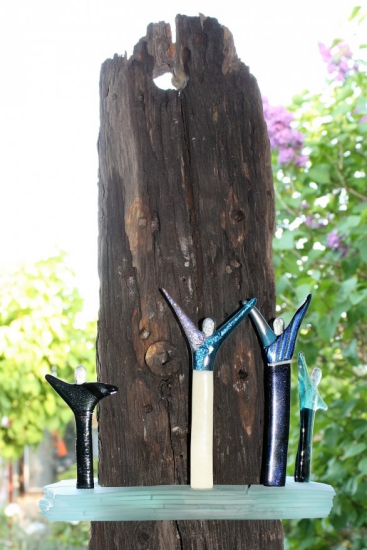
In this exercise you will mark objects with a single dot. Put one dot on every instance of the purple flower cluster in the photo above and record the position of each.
(335, 242)
(313, 222)
(339, 60)
(283, 138)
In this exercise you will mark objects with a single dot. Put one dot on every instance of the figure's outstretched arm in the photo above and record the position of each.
(66, 391)
(225, 330)
(195, 337)
(266, 335)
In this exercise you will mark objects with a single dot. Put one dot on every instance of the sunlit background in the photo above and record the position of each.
(51, 53)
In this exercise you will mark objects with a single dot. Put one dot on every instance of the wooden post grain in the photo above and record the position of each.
(185, 203)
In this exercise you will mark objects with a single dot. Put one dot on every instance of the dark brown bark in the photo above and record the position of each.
(21, 476)
(186, 203)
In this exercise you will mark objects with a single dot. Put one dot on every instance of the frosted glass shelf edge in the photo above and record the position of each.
(63, 502)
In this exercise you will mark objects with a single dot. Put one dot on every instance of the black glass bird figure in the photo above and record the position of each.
(82, 397)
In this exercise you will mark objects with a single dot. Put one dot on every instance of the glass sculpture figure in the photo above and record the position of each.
(278, 348)
(82, 397)
(204, 346)
(310, 401)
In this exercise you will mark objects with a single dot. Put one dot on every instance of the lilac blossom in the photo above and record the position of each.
(339, 60)
(325, 52)
(286, 155)
(301, 160)
(313, 222)
(283, 138)
(335, 242)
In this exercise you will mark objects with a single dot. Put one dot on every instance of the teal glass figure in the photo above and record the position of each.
(82, 397)
(310, 401)
(278, 348)
(204, 347)
(206, 343)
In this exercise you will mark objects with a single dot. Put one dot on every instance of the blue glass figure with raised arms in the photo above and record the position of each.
(204, 346)
(278, 348)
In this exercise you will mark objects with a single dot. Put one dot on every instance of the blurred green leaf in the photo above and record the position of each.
(286, 242)
(362, 466)
(39, 331)
(354, 450)
(355, 11)
(320, 173)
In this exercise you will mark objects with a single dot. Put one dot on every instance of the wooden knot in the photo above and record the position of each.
(163, 358)
(242, 374)
(238, 215)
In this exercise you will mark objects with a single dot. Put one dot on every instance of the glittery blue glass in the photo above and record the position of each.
(205, 348)
(279, 347)
(278, 350)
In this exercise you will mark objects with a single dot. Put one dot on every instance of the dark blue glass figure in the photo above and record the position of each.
(310, 401)
(82, 397)
(278, 347)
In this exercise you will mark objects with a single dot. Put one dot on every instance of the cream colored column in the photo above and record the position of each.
(201, 463)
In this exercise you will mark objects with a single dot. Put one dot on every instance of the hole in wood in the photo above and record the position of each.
(242, 374)
(164, 82)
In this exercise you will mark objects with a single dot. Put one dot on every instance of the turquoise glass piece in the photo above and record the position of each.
(310, 401)
(63, 502)
(309, 397)
(205, 344)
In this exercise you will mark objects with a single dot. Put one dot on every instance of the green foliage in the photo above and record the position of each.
(321, 247)
(52, 536)
(39, 332)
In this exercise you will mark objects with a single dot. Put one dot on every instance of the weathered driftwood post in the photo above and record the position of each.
(186, 203)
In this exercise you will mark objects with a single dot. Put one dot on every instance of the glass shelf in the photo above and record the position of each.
(63, 502)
